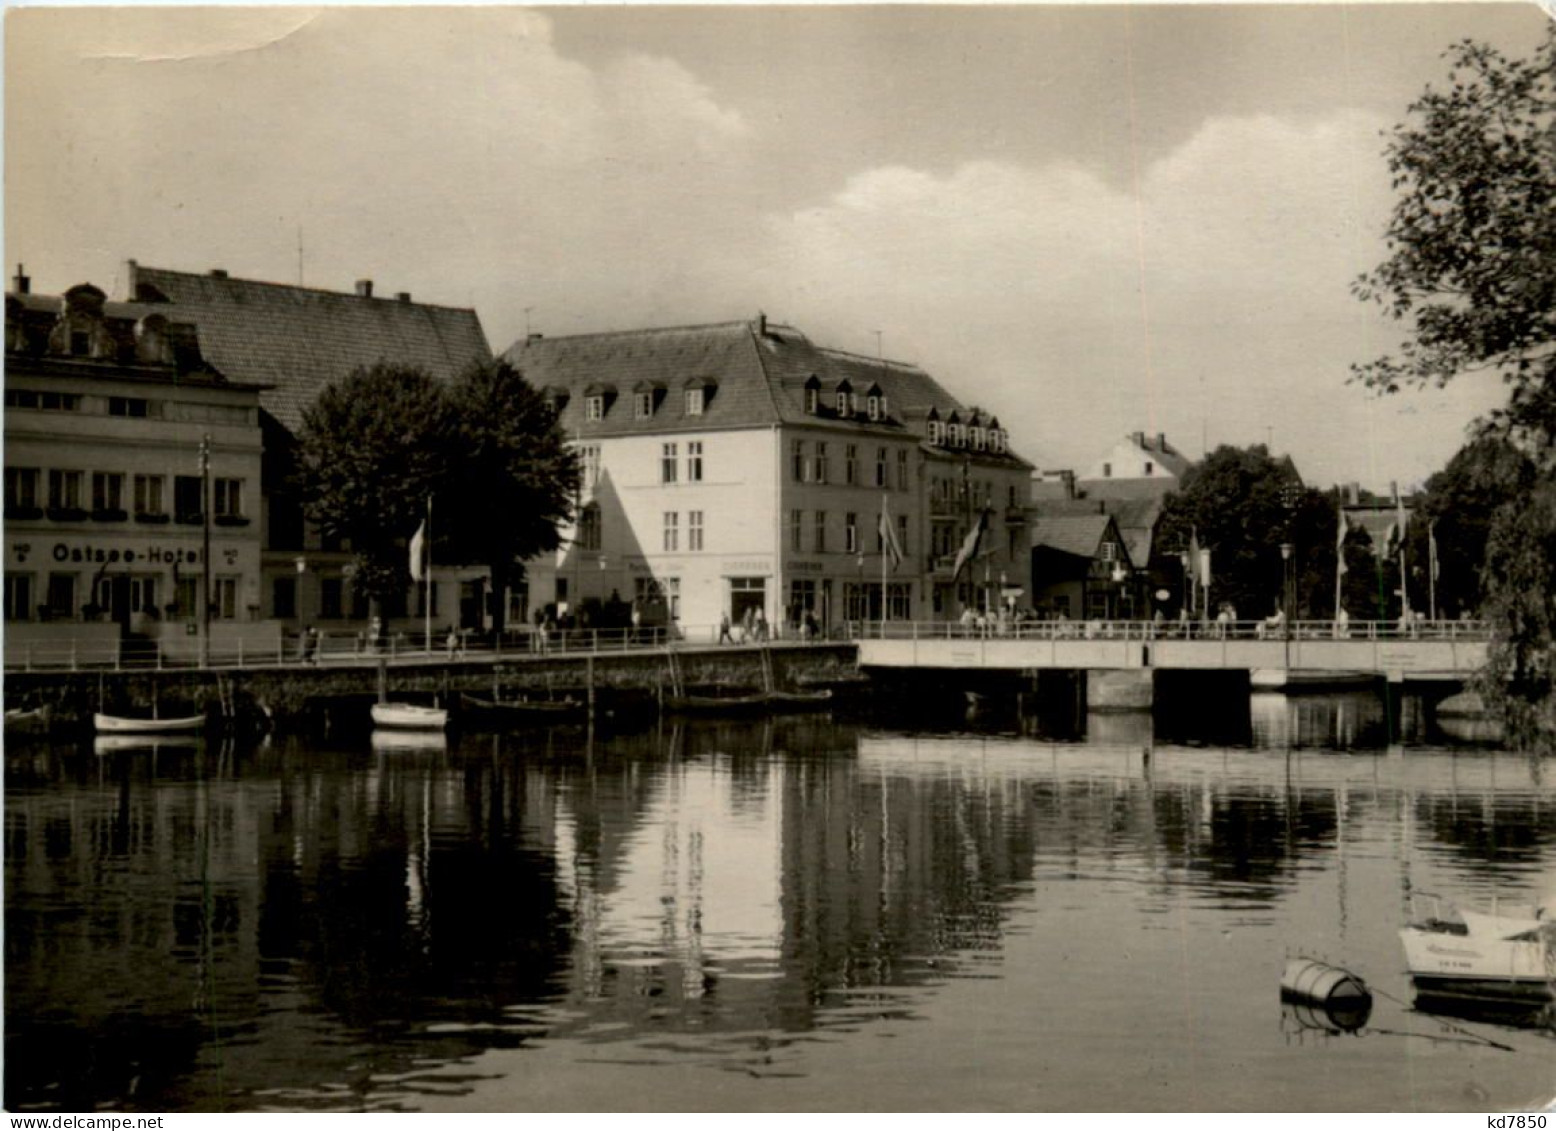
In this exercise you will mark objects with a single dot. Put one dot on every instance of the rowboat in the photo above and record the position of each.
(20, 721)
(409, 716)
(520, 708)
(754, 702)
(1510, 954)
(120, 724)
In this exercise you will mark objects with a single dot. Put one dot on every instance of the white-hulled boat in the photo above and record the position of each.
(409, 716)
(1507, 955)
(120, 724)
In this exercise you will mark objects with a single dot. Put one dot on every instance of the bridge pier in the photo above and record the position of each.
(1120, 689)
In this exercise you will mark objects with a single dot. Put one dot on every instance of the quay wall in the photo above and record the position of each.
(286, 694)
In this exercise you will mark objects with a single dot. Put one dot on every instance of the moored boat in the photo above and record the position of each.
(409, 716)
(122, 724)
(1510, 954)
(519, 708)
(23, 721)
(756, 701)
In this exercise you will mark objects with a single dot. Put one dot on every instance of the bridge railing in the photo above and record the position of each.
(1172, 630)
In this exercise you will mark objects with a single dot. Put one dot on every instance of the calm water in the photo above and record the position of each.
(792, 914)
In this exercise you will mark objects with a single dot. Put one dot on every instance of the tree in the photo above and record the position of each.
(1471, 270)
(1243, 504)
(373, 448)
(1472, 242)
(514, 479)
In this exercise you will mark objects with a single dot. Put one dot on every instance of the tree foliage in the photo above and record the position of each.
(1242, 504)
(1472, 271)
(1472, 240)
(514, 478)
(372, 449)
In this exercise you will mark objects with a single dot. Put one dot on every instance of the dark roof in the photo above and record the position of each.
(299, 339)
(1136, 518)
(1075, 534)
(756, 374)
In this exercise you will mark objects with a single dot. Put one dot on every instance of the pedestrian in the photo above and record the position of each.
(452, 642)
(724, 629)
(759, 625)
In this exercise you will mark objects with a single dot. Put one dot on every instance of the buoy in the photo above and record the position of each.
(1308, 980)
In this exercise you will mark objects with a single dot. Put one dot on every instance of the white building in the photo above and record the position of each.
(738, 466)
(1136, 466)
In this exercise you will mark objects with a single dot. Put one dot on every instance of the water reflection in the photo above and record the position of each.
(307, 925)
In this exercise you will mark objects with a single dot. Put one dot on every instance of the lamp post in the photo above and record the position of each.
(1286, 599)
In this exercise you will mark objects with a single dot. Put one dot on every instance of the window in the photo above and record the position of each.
(851, 464)
(694, 530)
(21, 487)
(187, 501)
(148, 494)
(672, 535)
(821, 461)
(65, 489)
(694, 402)
(80, 343)
(1107, 551)
(224, 599)
(850, 533)
(797, 458)
(880, 467)
(283, 598)
(812, 400)
(643, 404)
(128, 406)
(667, 457)
(796, 527)
(1107, 471)
(873, 407)
(107, 491)
(62, 596)
(802, 597)
(977, 437)
(842, 402)
(229, 498)
(589, 459)
(902, 535)
(594, 407)
(821, 532)
(694, 461)
(902, 469)
(18, 596)
(52, 402)
(955, 434)
(1148, 467)
(331, 592)
(936, 432)
(589, 532)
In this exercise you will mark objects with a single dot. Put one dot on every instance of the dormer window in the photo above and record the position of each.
(845, 399)
(936, 432)
(643, 405)
(812, 396)
(996, 439)
(694, 401)
(594, 406)
(977, 437)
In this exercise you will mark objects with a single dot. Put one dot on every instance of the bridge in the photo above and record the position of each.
(1420, 651)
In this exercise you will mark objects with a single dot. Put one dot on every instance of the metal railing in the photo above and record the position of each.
(1172, 630)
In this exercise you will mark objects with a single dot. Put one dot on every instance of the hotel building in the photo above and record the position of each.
(738, 466)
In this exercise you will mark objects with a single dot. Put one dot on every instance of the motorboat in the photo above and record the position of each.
(409, 716)
(1508, 954)
(520, 709)
(122, 724)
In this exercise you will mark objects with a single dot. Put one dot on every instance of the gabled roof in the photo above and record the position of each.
(761, 370)
(1135, 518)
(299, 339)
(1079, 535)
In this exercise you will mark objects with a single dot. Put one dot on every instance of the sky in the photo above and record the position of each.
(1089, 220)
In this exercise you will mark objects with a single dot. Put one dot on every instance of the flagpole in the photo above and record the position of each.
(1431, 566)
(426, 599)
(884, 557)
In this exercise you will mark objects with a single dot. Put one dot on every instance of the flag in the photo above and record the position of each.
(1431, 549)
(1204, 567)
(419, 551)
(889, 544)
(1396, 532)
(1339, 544)
(970, 545)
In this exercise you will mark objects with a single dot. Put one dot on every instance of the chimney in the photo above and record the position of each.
(402, 296)
(364, 288)
(761, 324)
(1139, 439)
(1161, 442)
(23, 284)
(218, 272)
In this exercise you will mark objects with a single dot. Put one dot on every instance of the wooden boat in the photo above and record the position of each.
(22, 721)
(519, 708)
(754, 702)
(409, 716)
(120, 724)
(1508, 955)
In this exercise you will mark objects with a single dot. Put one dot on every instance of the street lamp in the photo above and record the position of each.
(1286, 600)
